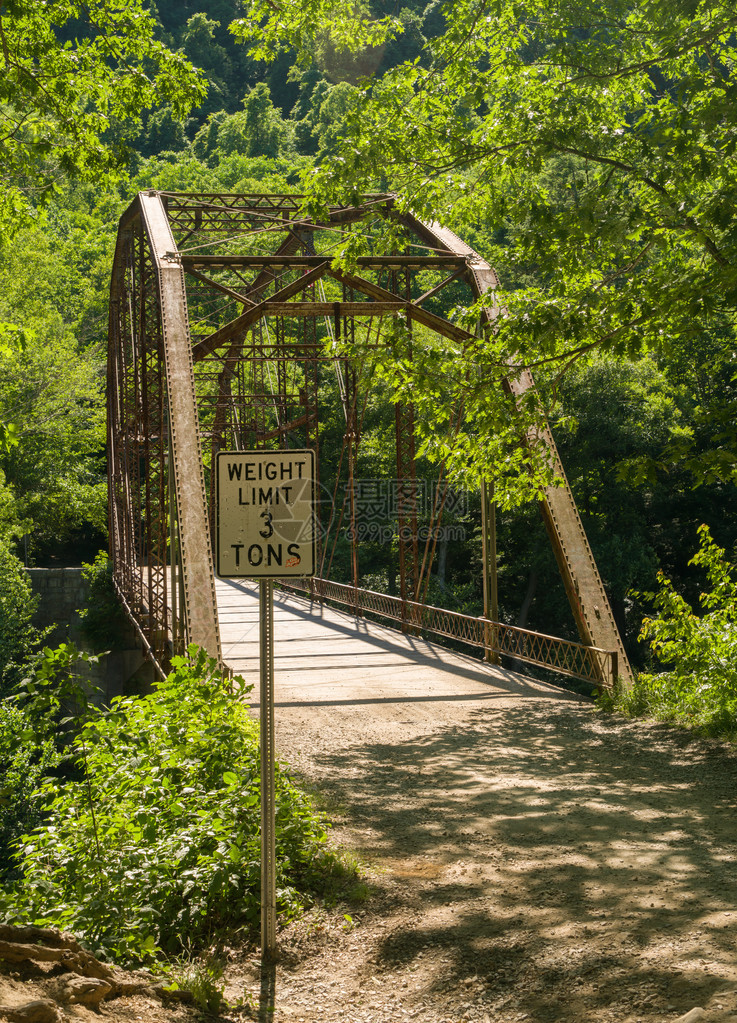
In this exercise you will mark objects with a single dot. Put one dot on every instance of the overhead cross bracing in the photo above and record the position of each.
(230, 327)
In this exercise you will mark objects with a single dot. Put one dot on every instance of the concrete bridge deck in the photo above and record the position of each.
(329, 657)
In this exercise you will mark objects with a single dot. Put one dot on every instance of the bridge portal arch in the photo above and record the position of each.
(224, 310)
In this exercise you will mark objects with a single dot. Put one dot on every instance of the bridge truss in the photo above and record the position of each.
(227, 321)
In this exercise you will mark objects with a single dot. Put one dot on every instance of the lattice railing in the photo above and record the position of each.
(600, 667)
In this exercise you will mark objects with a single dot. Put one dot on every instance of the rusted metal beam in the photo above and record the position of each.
(245, 320)
(223, 261)
(460, 272)
(427, 319)
(196, 555)
(227, 210)
(370, 308)
(218, 286)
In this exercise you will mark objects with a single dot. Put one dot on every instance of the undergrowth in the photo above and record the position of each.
(103, 619)
(24, 761)
(154, 844)
(699, 651)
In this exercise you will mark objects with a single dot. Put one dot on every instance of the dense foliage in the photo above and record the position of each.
(588, 153)
(104, 622)
(74, 77)
(155, 842)
(24, 761)
(699, 652)
(18, 635)
(591, 146)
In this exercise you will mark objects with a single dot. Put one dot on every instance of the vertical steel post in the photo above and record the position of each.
(351, 428)
(406, 506)
(268, 773)
(174, 582)
(491, 590)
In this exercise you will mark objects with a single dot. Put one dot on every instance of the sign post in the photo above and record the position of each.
(266, 530)
(268, 770)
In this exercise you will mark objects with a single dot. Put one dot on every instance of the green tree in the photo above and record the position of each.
(54, 393)
(258, 130)
(313, 88)
(634, 244)
(23, 762)
(206, 140)
(18, 636)
(201, 31)
(337, 102)
(163, 133)
(74, 78)
(699, 685)
(202, 48)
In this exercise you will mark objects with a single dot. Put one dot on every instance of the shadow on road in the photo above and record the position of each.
(571, 859)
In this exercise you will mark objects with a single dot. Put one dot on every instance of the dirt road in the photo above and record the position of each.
(530, 857)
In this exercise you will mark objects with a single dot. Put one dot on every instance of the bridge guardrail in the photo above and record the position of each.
(588, 663)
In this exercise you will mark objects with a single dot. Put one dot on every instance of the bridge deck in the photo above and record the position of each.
(327, 656)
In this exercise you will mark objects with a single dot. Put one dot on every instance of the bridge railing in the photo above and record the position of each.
(589, 663)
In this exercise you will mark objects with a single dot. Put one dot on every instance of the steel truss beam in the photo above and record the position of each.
(584, 587)
(254, 275)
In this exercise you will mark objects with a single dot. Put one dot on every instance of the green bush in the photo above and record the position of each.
(103, 619)
(700, 651)
(23, 762)
(157, 845)
(17, 606)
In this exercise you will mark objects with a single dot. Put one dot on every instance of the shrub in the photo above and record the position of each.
(17, 606)
(103, 619)
(23, 762)
(700, 651)
(158, 845)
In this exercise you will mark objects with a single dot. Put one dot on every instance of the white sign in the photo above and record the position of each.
(265, 514)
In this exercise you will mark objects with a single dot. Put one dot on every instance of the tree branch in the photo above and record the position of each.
(689, 223)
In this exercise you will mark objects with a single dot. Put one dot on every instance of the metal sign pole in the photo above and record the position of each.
(265, 530)
(268, 772)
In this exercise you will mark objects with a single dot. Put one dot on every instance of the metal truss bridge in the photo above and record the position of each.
(228, 331)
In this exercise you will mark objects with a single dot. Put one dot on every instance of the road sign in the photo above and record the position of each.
(266, 530)
(265, 514)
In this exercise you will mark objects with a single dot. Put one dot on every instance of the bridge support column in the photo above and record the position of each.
(491, 589)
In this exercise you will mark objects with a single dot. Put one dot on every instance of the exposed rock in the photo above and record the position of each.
(130, 984)
(40, 1011)
(695, 1014)
(91, 981)
(86, 965)
(39, 935)
(15, 952)
(76, 962)
(80, 990)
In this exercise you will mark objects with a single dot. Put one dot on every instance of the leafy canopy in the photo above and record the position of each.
(272, 29)
(74, 77)
(589, 149)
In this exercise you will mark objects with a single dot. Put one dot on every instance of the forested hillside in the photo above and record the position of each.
(589, 153)
(621, 296)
